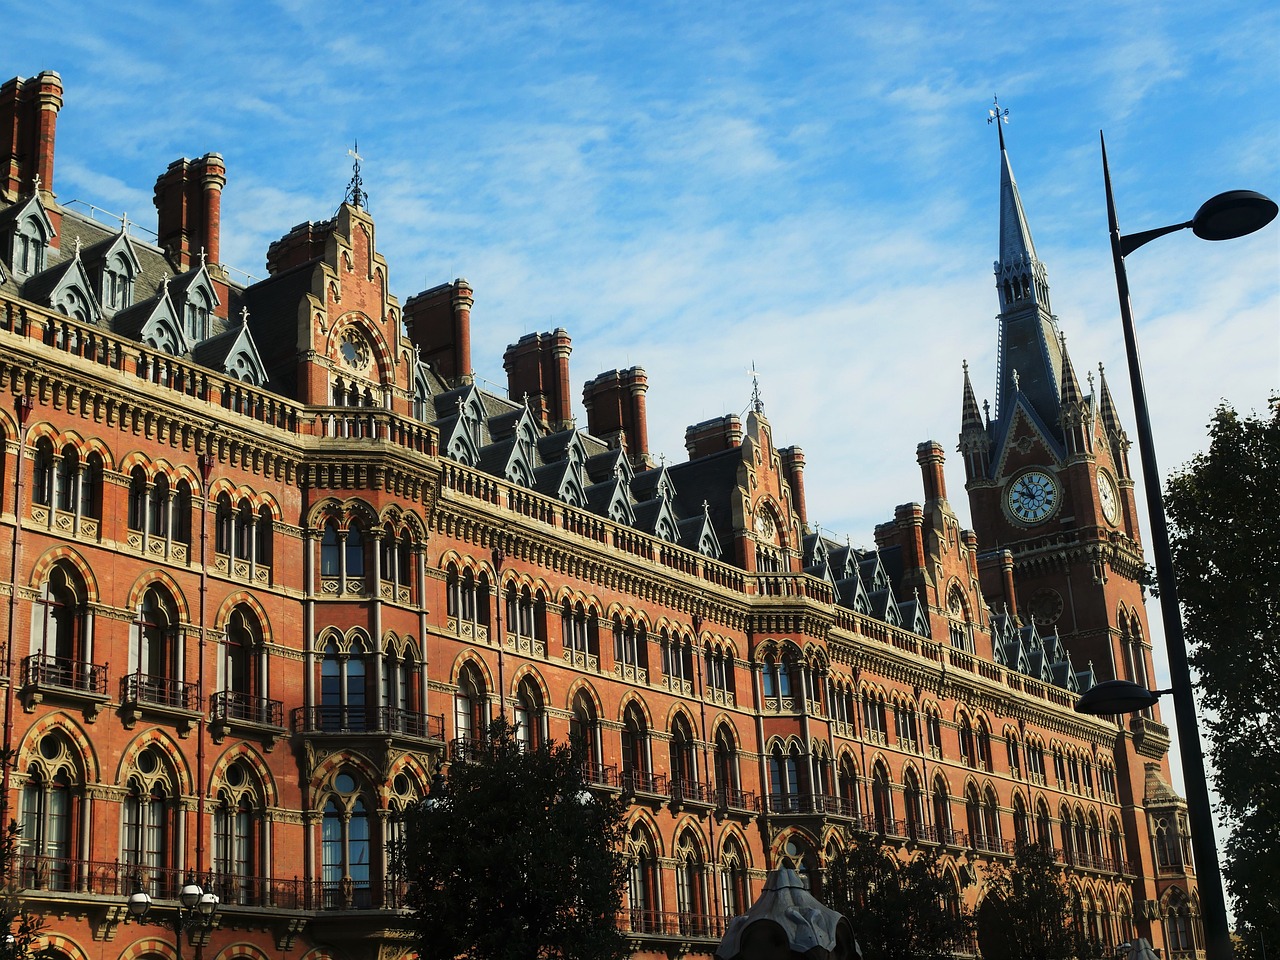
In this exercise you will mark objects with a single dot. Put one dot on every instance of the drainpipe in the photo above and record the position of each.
(22, 406)
(205, 462)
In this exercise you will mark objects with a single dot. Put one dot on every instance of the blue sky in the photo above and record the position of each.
(691, 188)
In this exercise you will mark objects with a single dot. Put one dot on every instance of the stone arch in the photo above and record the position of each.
(243, 751)
(65, 554)
(152, 577)
(629, 698)
(529, 670)
(64, 946)
(242, 951)
(168, 748)
(246, 599)
(584, 687)
(65, 724)
(149, 947)
(470, 657)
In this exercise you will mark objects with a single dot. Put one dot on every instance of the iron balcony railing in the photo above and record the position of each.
(43, 670)
(232, 705)
(140, 688)
(368, 719)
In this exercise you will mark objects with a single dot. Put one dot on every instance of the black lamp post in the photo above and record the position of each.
(196, 909)
(1224, 217)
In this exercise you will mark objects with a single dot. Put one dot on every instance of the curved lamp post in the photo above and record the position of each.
(196, 909)
(1224, 217)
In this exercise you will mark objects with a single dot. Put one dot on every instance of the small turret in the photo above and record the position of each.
(1076, 411)
(975, 443)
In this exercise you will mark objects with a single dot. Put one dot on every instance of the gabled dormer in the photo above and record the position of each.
(153, 322)
(26, 233)
(609, 498)
(66, 288)
(913, 617)
(853, 594)
(699, 534)
(194, 297)
(233, 353)
(114, 266)
(462, 429)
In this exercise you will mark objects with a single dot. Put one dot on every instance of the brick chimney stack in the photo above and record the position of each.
(28, 131)
(537, 366)
(931, 457)
(714, 435)
(615, 402)
(439, 322)
(793, 470)
(188, 198)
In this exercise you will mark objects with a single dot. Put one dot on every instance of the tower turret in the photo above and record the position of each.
(975, 442)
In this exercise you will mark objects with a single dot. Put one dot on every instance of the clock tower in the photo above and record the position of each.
(1048, 474)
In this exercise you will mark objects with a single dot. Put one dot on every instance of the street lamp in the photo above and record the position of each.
(196, 908)
(1224, 217)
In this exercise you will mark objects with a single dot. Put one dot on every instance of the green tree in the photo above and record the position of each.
(899, 910)
(1029, 913)
(512, 858)
(1225, 533)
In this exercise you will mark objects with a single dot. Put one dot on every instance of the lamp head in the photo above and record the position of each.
(1112, 697)
(208, 904)
(139, 904)
(1233, 214)
(190, 895)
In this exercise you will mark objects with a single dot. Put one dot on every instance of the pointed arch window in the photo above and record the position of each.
(346, 845)
(344, 685)
(157, 655)
(470, 709)
(912, 804)
(117, 282)
(643, 901)
(635, 750)
(237, 837)
(684, 767)
(847, 786)
(150, 816)
(726, 769)
(529, 715)
(882, 802)
(330, 550)
(60, 629)
(584, 729)
(942, 812)
(691, 903)
(735, 891)
(784, 780)
(30, 242)
(51, 801)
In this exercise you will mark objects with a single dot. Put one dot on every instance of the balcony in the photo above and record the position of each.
(336, 719)
(641, 784)
(690, 793)
(64, 679)
(175, 699)
(681, 926)
(231, 710)
(736, 802)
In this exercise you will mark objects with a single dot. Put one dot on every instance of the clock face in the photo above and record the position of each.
(1108, 497)
(1045, 606)
(1032, 496)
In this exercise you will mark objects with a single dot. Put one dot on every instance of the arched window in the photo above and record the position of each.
(643, 901)
(847, 786)
(904, 716)
(346, 845)
(1177, 923)
(769, 676)
(874, 722)
(343, 685)
(1021, 821)
(991, 819)
(138, 499)
(51, 800)
(237, 837)
(529, 716)
(355, 551)
(942, 811)
(150, 816)
(43, 467)
(1044, 834)
(584, 729)
(630, 646)
(960, 629)
(635, 750)
(158, 507)
(58, 628)
(1115, 847)
(330, 550)
(882, 801)
(182, 513)
(244, 530)
(726, 769)
(470, 708)
(720, 678)
(262, 542)
(158, 653)
(29, 243)
(117, 282)
(691, 904)
(913, 804)
(401, 689)
(784, 780)
(242, 674)
(973, 816)
(684, 768)
(735, 892)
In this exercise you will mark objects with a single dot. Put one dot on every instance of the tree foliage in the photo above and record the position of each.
(1028, 911)
(19, 930)
(1226, 552)
(899, 910)
(512, 858)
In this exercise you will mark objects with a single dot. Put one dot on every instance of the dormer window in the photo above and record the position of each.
(72, 302)
(198, 307)
(29, 244)
(117, 282)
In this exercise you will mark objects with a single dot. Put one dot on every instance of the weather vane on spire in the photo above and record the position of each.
(756, 403)
(356, 195)
(998, 117)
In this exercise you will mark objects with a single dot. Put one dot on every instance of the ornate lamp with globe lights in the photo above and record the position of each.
(196, 909)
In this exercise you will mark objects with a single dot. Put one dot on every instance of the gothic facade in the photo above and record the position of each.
(272, 556)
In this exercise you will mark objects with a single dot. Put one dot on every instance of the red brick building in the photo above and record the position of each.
(271, 555)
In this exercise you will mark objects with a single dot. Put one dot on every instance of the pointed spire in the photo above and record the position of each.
(1028, 333)
(1110, 419)
(970, 415)
(1070, 385)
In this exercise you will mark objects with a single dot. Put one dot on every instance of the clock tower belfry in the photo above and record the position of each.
(1048, 474)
